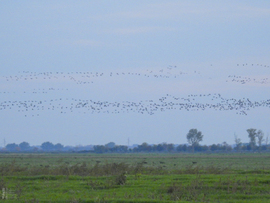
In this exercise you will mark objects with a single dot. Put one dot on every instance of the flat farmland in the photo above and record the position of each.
(241, 161)
(174, 177)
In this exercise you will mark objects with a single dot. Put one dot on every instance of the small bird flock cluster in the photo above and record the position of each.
(253, 64)
(64, 105)
(244, 80)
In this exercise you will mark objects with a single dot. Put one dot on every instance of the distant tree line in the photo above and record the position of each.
(194, 137)
(25, 147)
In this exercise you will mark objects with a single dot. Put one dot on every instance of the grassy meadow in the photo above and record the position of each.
(175, 177)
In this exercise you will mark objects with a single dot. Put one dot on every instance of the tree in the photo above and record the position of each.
(160, 147)
(47, 146)
(252, 136)
(120, 148)
(58, 147)
(194, 137)
(144, 147)
(260, 136)
(238, 142)
(180, 148)
(24, 146)
(100, 149)
(110, 145)
(170, 147)
(214, 147)
(266, 139)
(226, 146)
(12, 147)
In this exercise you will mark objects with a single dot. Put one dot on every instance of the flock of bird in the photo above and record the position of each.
(64, 105)
(84, 78)
(37, 91)
(254, 64)
(166, 103)
(244, 80)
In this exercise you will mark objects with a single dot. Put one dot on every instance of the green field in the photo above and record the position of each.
(175, 177)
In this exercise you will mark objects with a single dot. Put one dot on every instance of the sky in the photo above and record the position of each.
(92, 72)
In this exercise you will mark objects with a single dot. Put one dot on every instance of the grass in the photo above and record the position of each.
(170, 161)
(135, 177)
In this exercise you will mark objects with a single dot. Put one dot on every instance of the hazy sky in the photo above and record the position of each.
(91, 72)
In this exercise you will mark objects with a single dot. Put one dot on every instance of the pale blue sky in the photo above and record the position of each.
(112, 42)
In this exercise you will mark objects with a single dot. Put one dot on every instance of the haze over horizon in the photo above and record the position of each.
(92, 72)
